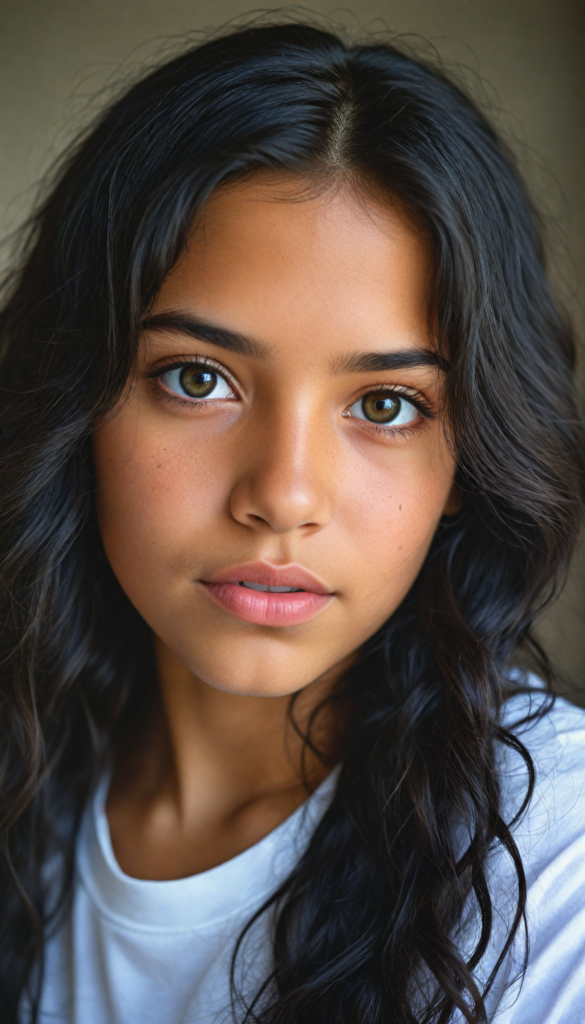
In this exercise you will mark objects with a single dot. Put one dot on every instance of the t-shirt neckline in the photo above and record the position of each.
(199, 901)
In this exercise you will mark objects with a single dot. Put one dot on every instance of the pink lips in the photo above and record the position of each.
(264, 607)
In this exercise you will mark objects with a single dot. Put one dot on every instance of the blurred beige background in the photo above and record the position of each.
(523, 59)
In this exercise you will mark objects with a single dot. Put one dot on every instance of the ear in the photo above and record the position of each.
(454, 501)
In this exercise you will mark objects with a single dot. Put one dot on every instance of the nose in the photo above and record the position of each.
(284, 480)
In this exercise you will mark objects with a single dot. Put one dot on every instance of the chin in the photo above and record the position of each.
(268, 679)
(256, 690)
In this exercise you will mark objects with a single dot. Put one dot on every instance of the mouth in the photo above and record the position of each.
(262, 588)
(268, 595)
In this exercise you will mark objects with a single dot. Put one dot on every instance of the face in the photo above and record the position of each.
(282, 430)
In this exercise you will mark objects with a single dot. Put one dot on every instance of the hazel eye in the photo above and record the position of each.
(196, 381)
(385, 408)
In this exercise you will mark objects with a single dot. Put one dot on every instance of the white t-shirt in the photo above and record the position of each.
(142, 952)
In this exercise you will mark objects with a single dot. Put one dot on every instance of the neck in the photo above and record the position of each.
(245, 744)
(204, 759)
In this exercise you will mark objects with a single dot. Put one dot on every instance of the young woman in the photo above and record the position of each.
(291, 461)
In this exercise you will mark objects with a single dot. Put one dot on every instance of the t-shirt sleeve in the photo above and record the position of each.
(551, 840)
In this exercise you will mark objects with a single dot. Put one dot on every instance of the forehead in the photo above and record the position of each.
(285, 266)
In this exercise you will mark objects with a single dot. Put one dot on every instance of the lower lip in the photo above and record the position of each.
(264, 608)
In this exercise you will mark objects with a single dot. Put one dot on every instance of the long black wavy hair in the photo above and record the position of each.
(379, 894)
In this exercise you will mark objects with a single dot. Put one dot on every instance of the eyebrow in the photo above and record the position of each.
(179, 322)
(402, 359)
(185, 323)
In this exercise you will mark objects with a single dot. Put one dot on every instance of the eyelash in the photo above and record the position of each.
(179, 364)
(414, 397)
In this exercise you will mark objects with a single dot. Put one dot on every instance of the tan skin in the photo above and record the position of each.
(283, 469)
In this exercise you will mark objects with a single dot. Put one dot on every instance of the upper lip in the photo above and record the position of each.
(271, 576)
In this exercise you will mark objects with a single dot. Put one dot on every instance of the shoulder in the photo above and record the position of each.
(554, 740)
(550, 837)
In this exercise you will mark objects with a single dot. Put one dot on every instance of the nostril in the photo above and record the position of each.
(268, 500)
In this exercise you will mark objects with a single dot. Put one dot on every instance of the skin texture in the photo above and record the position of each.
(278, 473)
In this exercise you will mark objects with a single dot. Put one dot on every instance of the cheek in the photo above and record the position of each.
(154, 496)
(390, 514)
